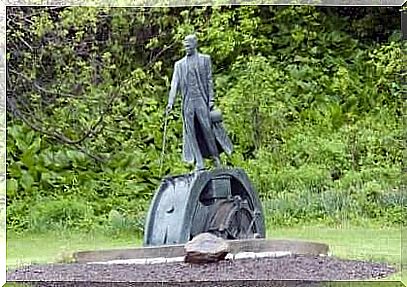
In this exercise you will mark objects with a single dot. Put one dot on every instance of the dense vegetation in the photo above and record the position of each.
(312, 98)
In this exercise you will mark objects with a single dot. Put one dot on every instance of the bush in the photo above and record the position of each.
(57, 213)
(315, 114)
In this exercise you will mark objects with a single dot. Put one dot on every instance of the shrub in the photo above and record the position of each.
(315, 114)
(54, 213)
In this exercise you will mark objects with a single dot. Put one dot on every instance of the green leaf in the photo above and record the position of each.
(12, 187)
(26, 181)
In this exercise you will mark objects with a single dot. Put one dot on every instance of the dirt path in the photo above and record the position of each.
(291, 267)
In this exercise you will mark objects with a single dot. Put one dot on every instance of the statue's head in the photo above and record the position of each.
(190, 44)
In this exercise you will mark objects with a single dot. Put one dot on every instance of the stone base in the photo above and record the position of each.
(206, 201)
(251, 247)
(162, 260)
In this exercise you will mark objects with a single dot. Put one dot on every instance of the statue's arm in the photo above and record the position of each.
(210, 84)
(174, 85)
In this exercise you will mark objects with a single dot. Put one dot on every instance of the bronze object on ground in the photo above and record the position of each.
(221, 201)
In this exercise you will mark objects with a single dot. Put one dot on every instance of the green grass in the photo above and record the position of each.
(404, 256)
(23, 249)
(370, 243)
(356, 243)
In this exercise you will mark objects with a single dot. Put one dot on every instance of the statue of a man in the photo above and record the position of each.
(193, 78)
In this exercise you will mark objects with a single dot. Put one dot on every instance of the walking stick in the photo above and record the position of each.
(164, 140)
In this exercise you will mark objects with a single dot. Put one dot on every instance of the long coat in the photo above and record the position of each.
(205, 83)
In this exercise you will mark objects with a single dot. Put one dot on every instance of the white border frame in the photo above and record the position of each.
(3, 234)
(134, 3)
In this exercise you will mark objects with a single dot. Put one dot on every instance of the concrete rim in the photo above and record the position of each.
(295, 247)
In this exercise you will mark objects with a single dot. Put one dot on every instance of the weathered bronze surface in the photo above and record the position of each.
(220, 201)
(203, 133)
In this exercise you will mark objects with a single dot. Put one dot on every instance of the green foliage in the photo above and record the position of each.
(314, 112)
(57, 213)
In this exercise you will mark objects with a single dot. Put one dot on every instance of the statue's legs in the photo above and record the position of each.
(189, 115)
(203, 117)
(197, 110)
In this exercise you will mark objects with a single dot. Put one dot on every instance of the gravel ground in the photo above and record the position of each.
(311, 268)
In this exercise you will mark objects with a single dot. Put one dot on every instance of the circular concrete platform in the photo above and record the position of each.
(174, 251)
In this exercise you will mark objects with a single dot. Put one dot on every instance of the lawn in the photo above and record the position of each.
(52, 247)
(372, 244)
(375, 244)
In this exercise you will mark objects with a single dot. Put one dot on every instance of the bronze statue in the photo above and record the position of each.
(203, 133)
(221, 201)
